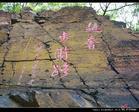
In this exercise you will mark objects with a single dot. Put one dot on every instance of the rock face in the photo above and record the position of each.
(27, 14)
(119, 24)
(5, 18)
(61, 99)
(5, 22)
(26, 99)
(98, 77)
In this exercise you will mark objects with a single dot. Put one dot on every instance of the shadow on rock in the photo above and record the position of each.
(24, 99)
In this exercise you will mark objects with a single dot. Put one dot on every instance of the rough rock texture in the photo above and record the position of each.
(104, 77)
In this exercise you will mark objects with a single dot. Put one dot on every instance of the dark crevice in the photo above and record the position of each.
(108, 46)
(81, 79)
(51, 36)
(127, 87)
(92, 94)
(110, 55)
(40, 87)
(54, 39)
(75, 68)
(29, 60)
(7, 39)
(70, 88)
(76, 71)
(126, 56)
(64, 60)
(110, 61)
(49, 54)
(62, 83)
(3, 64)
(4, 57)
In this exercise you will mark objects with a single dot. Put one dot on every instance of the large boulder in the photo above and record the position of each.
(112, 64)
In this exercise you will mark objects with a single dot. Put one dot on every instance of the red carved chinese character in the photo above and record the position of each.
(65, 53)
(62, 53)
(59, 54)
(91, 42)
(89, 29)
(65, 70)
(64, 37)
(93, 28)
(124, 106)
(56, 70)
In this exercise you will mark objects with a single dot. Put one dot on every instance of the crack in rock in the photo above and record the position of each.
(76, 71)
(110, 62)
(29, 60)
(84, 91)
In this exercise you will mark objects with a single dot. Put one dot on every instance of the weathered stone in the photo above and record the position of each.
(26, 99)
(46, 14)
(15, 18)
(5, 18)
(5, 22)
(6, 102)
(136, 93)
(115, 98)
(27, 14)
(3, 37)
(66, 15)
(40, 20)
(61, 98)
(111, 68)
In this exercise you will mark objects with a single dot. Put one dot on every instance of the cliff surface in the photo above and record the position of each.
(106, 76)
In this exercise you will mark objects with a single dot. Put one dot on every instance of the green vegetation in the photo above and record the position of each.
(114, 10)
